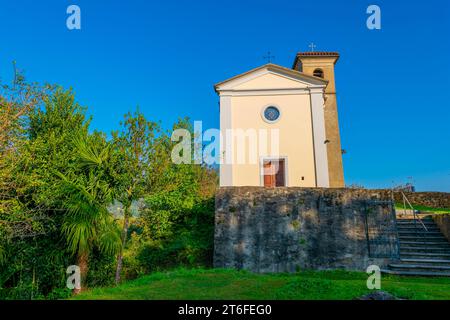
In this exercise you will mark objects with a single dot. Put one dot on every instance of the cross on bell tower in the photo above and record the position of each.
(312, 46)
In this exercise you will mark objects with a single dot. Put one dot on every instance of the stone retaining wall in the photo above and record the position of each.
(443, 222)
(428, 199)
(286, 229)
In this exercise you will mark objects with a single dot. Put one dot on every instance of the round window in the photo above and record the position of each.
(271, 114)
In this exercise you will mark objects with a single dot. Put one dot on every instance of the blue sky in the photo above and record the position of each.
(165, 56)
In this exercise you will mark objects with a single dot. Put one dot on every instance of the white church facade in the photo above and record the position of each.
(294, 111)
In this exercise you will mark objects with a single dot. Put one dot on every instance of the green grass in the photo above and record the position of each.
(399, 206)
(200, 284)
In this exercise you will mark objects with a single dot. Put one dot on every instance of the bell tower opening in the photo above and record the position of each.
(318, 73)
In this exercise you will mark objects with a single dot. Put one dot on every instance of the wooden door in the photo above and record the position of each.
(274, 173)
(269, 176)
(279, 177)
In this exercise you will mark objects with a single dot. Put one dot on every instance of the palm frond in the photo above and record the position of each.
(109, 240)
(91, 154)
(79, 235)
(87, 194)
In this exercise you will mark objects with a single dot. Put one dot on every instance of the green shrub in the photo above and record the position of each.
(186, 239)
(101, 270)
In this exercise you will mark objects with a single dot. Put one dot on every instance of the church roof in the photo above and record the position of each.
(280, 69)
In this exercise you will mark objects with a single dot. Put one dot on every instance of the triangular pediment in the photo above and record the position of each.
(270, 77)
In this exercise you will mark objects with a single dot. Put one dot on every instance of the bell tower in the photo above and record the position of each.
(321, 64)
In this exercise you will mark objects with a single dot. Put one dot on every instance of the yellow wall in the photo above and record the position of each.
(268, 82)
(295, 133)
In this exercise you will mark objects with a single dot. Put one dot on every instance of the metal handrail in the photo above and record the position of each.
(416, 217)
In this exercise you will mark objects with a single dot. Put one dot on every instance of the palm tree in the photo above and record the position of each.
(88, 190)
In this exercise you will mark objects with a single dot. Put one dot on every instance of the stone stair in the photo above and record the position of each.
(422, 252)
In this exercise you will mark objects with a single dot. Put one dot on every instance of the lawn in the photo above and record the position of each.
(399, 207)
(200, 284)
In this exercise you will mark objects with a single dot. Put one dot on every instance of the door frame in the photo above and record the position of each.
(261, 169)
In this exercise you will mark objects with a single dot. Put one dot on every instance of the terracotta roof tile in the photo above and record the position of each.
(318, 53)
(314, 54)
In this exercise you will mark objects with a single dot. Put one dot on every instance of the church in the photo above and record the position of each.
(300, 104)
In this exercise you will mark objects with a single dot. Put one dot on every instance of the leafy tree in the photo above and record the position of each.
(30, 211)
(135, 146)
(17, 222)
(16, 102)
